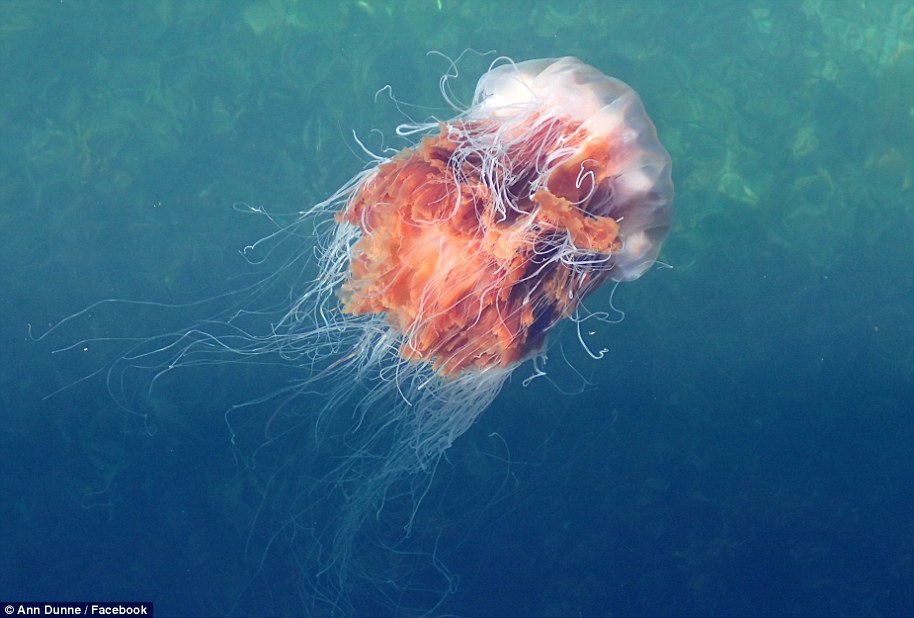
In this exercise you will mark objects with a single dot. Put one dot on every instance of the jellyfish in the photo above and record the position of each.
(452, 260)
(437, 272)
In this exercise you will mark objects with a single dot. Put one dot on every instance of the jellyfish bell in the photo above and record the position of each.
(476, 241)
(636, 182)
(439, 271)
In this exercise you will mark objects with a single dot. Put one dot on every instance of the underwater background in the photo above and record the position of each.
(744, 448)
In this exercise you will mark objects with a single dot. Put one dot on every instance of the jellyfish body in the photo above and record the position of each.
(439, 271)
(478, 240)
(451, 262)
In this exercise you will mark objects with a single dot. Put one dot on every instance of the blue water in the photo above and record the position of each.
(745, 447)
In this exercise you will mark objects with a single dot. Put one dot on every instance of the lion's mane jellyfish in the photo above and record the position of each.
(439, 270)
(452, 260)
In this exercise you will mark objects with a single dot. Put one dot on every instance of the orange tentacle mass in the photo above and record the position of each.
(470, 285)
